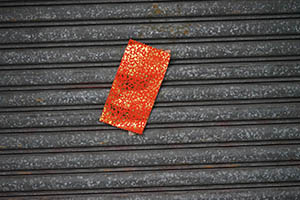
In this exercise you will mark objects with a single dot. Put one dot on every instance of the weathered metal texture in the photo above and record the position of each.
(186, 51)
(225, 123)
(167, 94)
(185, 73)
(204, 136)
(292, 193)
(163, 115)
(166, 178)
(147, 10)
(144, 158)
(148, 31)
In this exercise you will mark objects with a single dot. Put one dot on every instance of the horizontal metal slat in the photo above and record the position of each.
(166, 94)
(166, 136)
(158, 115)
(179, 51)
(183, 72)
(146, 10)
(150, 179)
(113, 33)
(146, 158)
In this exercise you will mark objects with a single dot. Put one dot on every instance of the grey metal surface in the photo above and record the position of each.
(225, 124)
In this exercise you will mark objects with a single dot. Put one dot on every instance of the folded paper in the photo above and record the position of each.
(135, 87)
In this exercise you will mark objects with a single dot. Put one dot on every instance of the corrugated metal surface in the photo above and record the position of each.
(225, 124)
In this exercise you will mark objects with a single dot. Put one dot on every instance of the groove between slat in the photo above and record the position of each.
(180, 145)
(195, 61)
(155, 189)
(291, 192)
(192, 83)
(157, 105)
(8, 3)
(147, 41)
(150, 168)
(121, 192)
(147, 21)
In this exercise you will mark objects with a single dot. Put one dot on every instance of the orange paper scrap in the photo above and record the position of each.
(135, 87)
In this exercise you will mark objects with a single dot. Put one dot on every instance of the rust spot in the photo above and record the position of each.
(185, 32)
(13, 20)
(209, 166)
(24, 173)
(157, 11)
(127, 169)
(107, 170)
(234, 165)
(39, 100)
(102, 142)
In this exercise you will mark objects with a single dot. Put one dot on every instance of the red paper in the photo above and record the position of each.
(135, 87)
